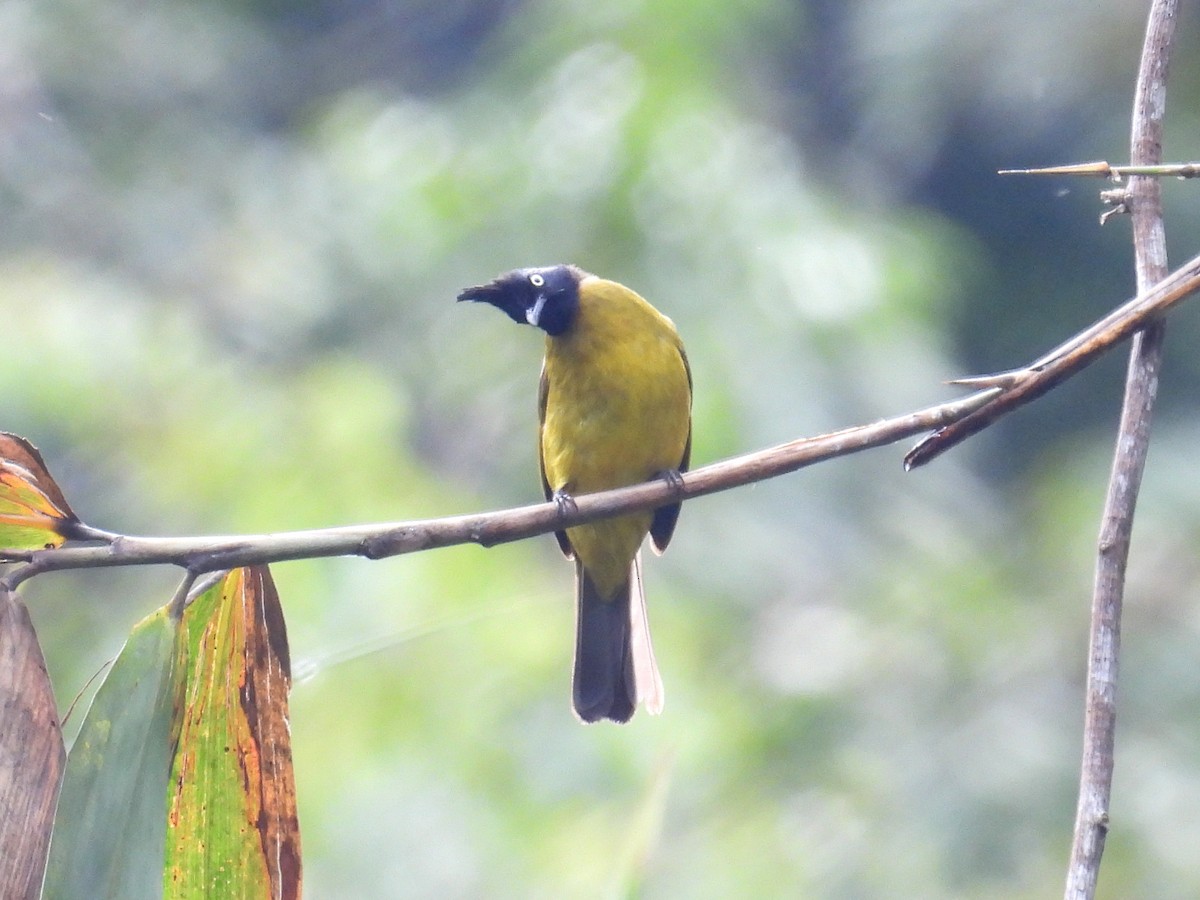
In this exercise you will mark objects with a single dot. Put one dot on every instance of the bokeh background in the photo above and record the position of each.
(230, 239)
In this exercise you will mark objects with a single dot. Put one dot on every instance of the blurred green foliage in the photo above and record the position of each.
(231, 237)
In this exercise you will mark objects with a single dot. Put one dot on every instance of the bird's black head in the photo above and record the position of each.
(547, 297)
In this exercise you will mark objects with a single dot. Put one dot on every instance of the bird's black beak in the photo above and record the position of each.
(483, 293)
(503, 293)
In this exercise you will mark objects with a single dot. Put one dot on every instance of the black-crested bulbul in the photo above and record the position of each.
(615, 409)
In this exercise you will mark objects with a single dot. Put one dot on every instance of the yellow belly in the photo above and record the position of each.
(617, 412)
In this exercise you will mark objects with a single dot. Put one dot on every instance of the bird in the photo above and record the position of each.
(614, 409)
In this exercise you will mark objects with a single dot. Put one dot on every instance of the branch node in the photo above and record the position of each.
(374, 547)
(1117, 201)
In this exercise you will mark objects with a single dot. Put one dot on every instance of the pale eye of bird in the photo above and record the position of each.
(537, 280)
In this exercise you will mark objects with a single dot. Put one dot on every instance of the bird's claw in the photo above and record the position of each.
(564, 501)
(673, 477)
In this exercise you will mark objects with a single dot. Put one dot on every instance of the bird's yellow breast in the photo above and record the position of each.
(618, 408)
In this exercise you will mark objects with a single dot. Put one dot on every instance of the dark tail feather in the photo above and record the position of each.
(604, 687)
(615, 669)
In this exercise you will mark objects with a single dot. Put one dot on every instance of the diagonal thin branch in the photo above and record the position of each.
(1021, 386)
(1143, 199)
(206, 554)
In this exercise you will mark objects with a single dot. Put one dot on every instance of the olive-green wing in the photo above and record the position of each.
(665, 517)
(564, 542)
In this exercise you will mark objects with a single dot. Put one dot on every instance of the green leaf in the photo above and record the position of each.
(233, 829)
(111, 824)
(31, 753)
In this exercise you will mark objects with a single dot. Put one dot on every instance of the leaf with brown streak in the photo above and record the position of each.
(232, 829)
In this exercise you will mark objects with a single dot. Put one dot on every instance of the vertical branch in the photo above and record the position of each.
(1143, 198)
